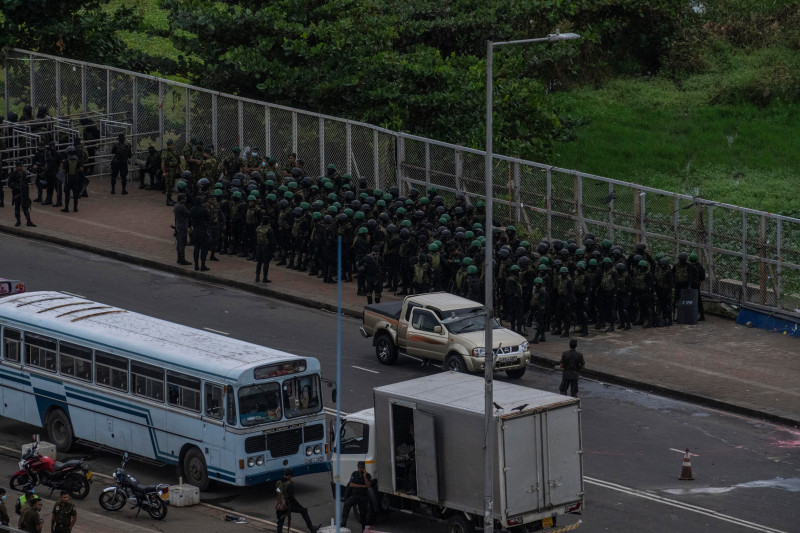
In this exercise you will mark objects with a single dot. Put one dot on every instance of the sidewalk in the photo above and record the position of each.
(717, 362)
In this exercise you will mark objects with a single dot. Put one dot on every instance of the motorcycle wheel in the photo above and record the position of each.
(113, 500)
(157, 508)
(77, 486)
(20, 482)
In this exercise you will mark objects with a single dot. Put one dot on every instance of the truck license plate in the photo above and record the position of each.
(547, 522)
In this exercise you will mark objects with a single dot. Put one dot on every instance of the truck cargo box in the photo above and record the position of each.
(538, 463)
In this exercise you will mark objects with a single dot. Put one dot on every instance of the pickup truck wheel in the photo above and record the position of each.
(459, 524)
(516, 373)
(385, 350)
(454, 363)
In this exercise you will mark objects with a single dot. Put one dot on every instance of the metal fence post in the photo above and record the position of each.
(778, 290)
(214, 120)
(710, 248)
(108, 92)
(187, 118)
(267, 131)
(578, 187)
(5, 87)
(161, 131)
(549, 192)
(676, 227)
(642, 215)
(637, 211)
(611, 212)
(459, 164)
(294, 132)
(85, 99)
(349, 149)
(427, 164)
(517, 194)
(376, 162)
(762, 253)
(135, 106)
(240, 126)
(58, 89)
(401, 156)
(32, 79)
(745, 292)
(321, 145)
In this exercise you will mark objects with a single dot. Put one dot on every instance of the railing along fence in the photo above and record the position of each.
(751, 256)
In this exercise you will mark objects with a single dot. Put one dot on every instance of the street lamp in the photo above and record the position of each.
(488, 357)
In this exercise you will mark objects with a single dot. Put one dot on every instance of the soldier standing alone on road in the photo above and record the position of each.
(571, 364)
(64, 515)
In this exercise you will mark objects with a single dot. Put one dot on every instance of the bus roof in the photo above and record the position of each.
(125, 332)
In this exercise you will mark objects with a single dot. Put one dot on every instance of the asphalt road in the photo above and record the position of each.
(747, 472)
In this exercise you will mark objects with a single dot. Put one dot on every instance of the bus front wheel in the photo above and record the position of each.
(59, 430)
(194, 468)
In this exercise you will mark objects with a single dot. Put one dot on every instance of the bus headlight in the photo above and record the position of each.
(309, 451)
(251, 461)
(260, 460)
(317, 449)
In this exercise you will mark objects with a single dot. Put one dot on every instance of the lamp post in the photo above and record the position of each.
(489, 357)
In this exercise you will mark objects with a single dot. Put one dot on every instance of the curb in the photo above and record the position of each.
(548, 363)
(179, 271)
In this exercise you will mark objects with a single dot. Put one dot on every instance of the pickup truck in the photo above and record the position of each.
(442, 327)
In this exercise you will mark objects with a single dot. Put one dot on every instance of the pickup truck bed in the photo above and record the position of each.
(387, 309)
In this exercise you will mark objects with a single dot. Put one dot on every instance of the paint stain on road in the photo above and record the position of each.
(790, 484)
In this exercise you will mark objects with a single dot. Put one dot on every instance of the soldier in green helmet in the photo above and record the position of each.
(265, 247)
(538, 305)
(170, 167)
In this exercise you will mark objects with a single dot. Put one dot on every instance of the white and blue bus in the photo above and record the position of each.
(218, 408)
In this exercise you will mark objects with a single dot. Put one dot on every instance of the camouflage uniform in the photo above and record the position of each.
(170, 165)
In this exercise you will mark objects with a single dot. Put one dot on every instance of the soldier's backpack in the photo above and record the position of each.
(436, 261)
(371, 265)
(607, 282)
(72, 167)
(420, 273)
(280, 500)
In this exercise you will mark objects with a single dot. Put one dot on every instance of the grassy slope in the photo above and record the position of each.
(679, 138)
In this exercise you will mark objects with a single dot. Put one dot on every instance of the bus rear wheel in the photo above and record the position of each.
(194, 469)
(59, 430)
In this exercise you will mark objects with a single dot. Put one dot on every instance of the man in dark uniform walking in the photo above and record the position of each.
(20, 195)
(571, 364)
(359, 484)
(286, 488)
(64, 515)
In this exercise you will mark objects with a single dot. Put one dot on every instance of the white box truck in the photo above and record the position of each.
(423, 444)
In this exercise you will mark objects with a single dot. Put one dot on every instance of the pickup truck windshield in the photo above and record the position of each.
(467, 320)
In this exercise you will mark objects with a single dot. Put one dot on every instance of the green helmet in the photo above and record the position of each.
(251, 198)
(406, 223)
(332, 209)
(443, 219)
(328, 185)
(564, 270)
(217, 192)
(380, 203)
(409, 201)
(468, 261)
(483, 240)
(337, 204)
(477, 226)
(283, 188)
(544, 260)
(542, 267)
(317, 215)
(272, 197)
(269, 183)
(360, 216)
(332, 197)
(438, 243)
(476, 243)
(387, 197)
(256, 193)
(592, 262)
(304, 206)
(431, 189)
(363, 195)
(643, 263)
(515, 268)
(579, 251)
(349, 212)
(468, 235)
(525, 244)
(362, 231)
(606, 243)
(218, 185)
(580, 264)
(292, 185)
(511, 228)
(288, 195)
(659, 256)
(480, 203)
(472, 269)
(693, 257)
(181, 185)
(237, 195)
(424, 200)
(432, 247)
(377, 193)
(607, 260)
(401, 211)
(538, 281)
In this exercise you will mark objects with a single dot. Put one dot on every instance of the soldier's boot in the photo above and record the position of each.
(75, 205)
(290, 265)
(377, 299)
(258, 278)
(113, 189)
(648, 323)
(584, 331)
(18, 224)
(627, 326)
(599, 325)
(170, 201)
(536, 336)
(610, 328)
(303, 262)
(30, 224)
(542, 337)
(66, 208)
(565, 334)
(369, 299)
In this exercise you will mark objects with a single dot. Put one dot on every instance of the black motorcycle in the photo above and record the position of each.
(36, 469)
(152, 498)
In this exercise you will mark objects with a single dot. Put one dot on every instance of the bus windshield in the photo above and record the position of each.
(301, 396)
(259, 403)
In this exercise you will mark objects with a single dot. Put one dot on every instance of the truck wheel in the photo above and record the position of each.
(385, 350)
(454, 363)
(516, 373)
(459, 524)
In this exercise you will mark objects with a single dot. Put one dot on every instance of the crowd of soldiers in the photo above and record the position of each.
(414, 243)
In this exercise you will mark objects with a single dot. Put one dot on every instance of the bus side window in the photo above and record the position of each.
(230, 402)
(213, 399)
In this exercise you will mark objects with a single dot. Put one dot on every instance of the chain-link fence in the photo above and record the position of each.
(750, 256)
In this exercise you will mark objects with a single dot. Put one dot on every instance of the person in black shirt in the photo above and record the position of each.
(286, 487)
(571, 364)
(359, 484)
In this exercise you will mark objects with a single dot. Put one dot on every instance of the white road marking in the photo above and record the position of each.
(76, 295)
(681, 505)
(365, 369)
(216, 331)
(684, 451)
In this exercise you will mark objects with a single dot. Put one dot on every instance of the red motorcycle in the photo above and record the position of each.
(37, 469)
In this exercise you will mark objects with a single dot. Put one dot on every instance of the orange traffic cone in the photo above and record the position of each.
(686, 469)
